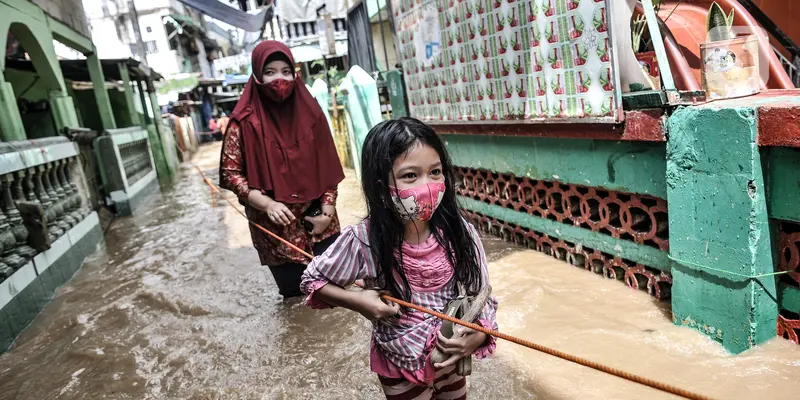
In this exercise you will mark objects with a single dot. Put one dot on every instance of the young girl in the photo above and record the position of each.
(415, 245)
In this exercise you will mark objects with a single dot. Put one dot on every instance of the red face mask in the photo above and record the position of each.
(278, 90)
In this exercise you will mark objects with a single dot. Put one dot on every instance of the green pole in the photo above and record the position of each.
(100, 93)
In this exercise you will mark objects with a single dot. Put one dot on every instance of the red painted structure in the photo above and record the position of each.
(687, 25)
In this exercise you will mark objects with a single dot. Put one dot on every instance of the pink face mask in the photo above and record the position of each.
(418, 203)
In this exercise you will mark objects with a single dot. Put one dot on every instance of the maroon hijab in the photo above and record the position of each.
(287, 146)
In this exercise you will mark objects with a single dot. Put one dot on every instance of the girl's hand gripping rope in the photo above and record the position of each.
(372, 307)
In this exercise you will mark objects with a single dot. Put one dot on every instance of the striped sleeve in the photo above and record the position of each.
(488, 317)
(342, 264)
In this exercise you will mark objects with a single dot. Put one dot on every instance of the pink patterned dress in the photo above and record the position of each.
(400, 348)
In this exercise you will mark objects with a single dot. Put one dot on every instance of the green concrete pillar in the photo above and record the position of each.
(720, 238)
(142, 99)
(11, 127)
(126, 84)
(100, 93)
(162, 168)
(63, 109)
(166, 145)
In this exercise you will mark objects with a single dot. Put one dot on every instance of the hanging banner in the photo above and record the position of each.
(521, 61)
(229, 15)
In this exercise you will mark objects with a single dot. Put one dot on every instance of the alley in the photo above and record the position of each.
(176, 306)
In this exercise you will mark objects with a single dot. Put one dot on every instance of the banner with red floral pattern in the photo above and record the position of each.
(507, 60)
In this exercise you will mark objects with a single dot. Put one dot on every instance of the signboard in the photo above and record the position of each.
(429, 41)
(327, 42)
(508, 60)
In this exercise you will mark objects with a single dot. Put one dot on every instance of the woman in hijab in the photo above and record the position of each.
(278, 156)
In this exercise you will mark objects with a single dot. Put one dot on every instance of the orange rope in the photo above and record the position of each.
(522, 342)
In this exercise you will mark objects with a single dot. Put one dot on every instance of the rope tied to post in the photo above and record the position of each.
(513, 339)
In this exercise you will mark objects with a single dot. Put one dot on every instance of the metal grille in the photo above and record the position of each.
(790, 68)
(135, 160)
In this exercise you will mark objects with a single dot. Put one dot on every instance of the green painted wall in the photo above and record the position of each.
(30, 86)
(120, 109)
(86, 105)
(783, 166)
(790, 298)
(625, 166)
(719, 227)
(28, 82)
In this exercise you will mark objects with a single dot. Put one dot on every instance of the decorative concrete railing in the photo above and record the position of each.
(38, 182)
(47, 226)
(564, 221)
(84, 138)
(128, 168)
(789, 260)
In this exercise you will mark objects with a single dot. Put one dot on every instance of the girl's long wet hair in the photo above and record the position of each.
(384, 144)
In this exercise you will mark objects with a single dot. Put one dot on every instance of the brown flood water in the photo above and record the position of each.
(176, 306)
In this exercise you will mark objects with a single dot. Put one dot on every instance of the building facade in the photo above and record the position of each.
(173, 36)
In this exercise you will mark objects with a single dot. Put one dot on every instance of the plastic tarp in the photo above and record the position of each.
(229, 15)
(306, 10)
(306, 53)
(311, 52)
(320, 93)
(363, 107)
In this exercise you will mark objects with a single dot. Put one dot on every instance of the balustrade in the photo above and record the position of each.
(38, 205)
(12, 191)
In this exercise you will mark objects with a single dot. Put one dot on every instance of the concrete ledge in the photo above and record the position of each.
(83, 228)
(127, 135)
(66, 243)
(639, 125)
(31, 288)
(22, 159)
(127, 203)
(16, 283)
(778, 115)
(142, 183)
(142, 195)
(45, 259)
